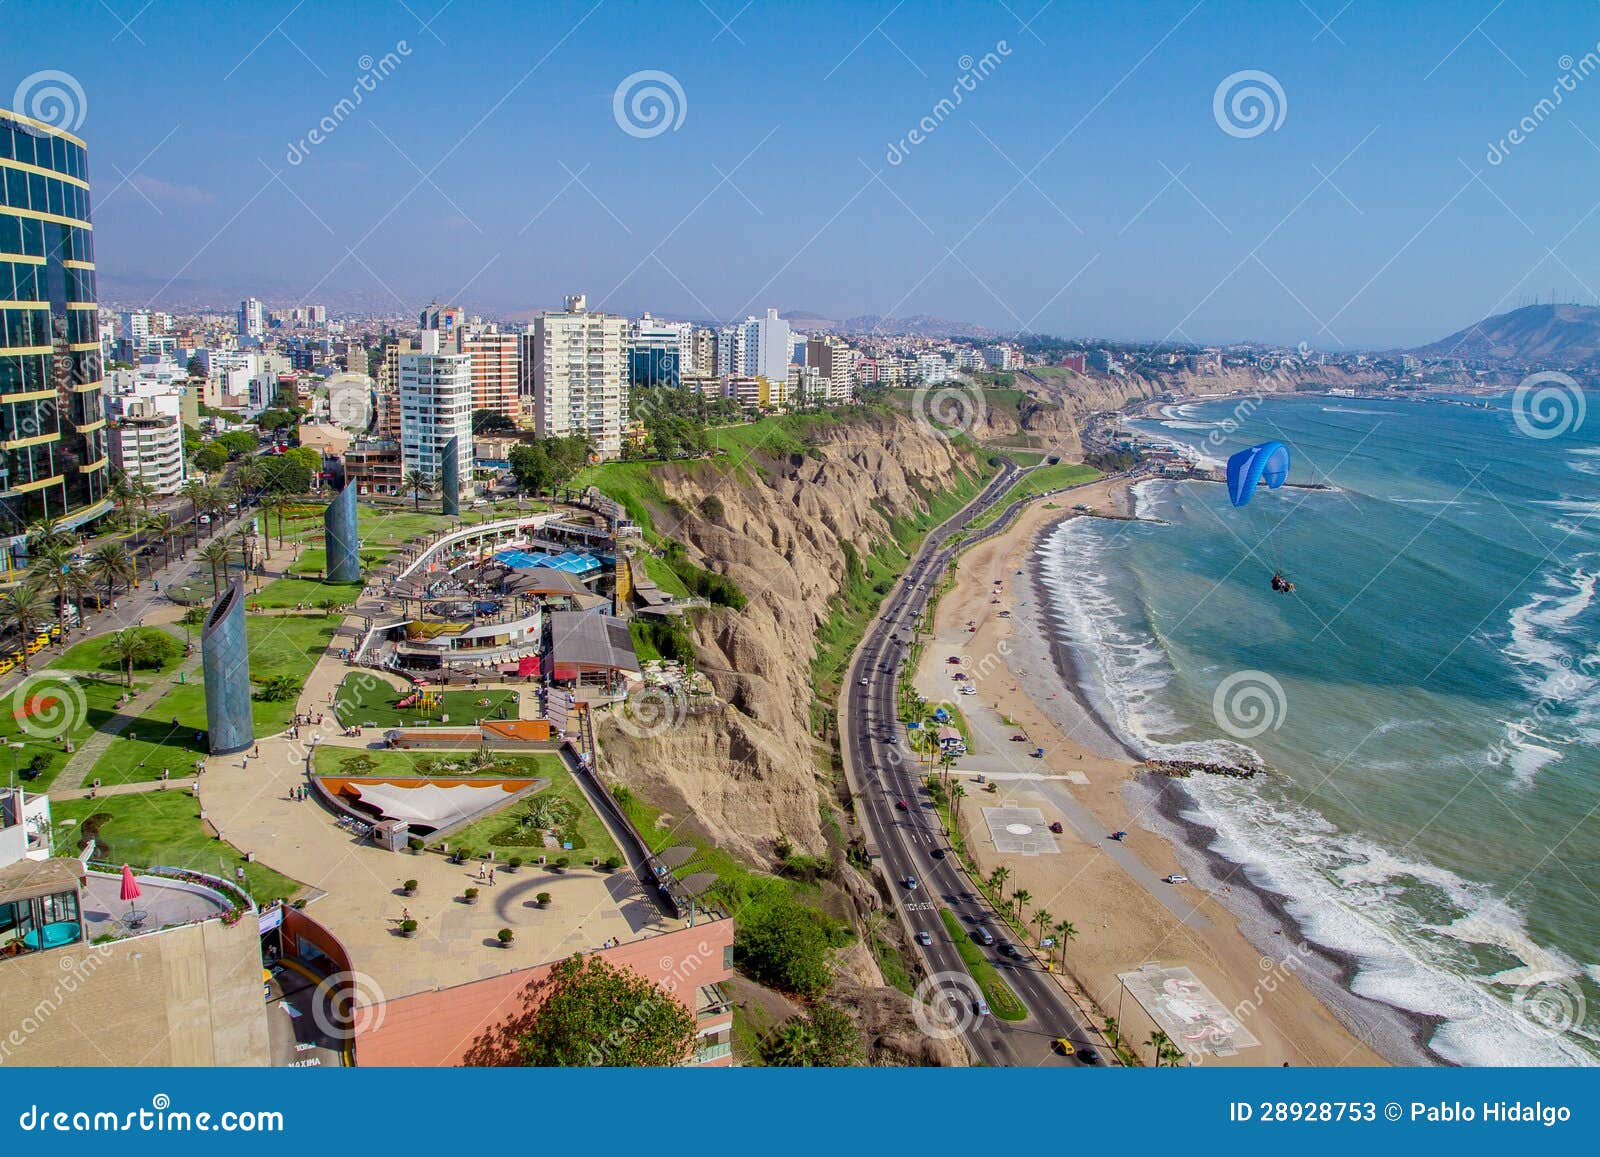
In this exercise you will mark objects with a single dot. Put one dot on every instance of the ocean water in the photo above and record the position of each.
(1427, 702)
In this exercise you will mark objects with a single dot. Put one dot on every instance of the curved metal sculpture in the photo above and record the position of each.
(339, 539)
(450, 474)
(225, 652)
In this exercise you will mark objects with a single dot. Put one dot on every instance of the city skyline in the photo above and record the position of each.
(1094, 179)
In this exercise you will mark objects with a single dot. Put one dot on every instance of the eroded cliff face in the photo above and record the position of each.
(749, 775)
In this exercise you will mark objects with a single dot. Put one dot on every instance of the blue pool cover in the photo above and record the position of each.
(570, 561)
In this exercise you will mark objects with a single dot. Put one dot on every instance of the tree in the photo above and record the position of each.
(997, 881)
(210, 458)
(416, 483)
(826, 1037)
(275, 505)
(279, 688)
(216, 554)
(140, 647)
(787, 946)
(1064, 931)
(1042, 919)
(957, 794)
(53, 560)
(162, 526)
(111, 564)
(26, 607)
(1165, 1051)
(492, 422)
(196, 368)
(194, 490)
(587, 1011)
(1020, 898)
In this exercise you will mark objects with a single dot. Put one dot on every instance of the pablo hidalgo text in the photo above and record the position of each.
(1491, 1113)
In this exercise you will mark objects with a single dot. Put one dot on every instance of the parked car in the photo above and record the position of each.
(1055, 826)
(1175, 878)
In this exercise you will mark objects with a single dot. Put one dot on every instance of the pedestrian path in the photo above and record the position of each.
(187, 783)
(83, 760)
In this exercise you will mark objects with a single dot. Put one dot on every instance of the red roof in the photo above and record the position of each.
(528, 665)
(564, 671)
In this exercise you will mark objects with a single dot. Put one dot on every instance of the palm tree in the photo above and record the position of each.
(195, 491)
(1020, 898)
(79, 582)
(122, 496)
(1064, 931)
(109, 564)
(216, 554)
(1166, 1052)
(250, 477)
(53, 559)
(25, 606)
(162, 526)
(1042, 919)
(997, 881)
(416, 483)
(244, 542)
(276, 504)
(44, 531)
(1113, 1034)
(125, 646)
(957, 794)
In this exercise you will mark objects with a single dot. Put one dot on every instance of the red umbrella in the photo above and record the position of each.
(130, 890)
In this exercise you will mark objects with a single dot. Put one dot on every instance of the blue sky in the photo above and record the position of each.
(1083, 187)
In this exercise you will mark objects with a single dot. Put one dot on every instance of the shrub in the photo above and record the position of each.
(414, 843)
(514, 863)
(408, 926)
(470, 895)
(612, 863)
(561, 864)
(542, 899)
(711, 507)
(787, 946)
(505, 936)
(410, 887)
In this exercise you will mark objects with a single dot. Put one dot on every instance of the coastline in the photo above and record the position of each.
(1241, 942)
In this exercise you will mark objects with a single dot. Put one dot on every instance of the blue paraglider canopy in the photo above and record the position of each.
(1268, 462)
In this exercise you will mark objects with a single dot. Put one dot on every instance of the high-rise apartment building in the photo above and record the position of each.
(435, 406)
(496, 368)
(53, 444)
(252, 319)
(446, 320)
(658, 352)
(147, 444)
(835, 363)
(579, 380)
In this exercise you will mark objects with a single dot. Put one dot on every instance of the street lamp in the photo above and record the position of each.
(15, 747)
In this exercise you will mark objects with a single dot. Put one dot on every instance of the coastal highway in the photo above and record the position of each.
(883, 771)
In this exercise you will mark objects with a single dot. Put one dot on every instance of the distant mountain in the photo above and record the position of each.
(917, 325)
(1558, 336)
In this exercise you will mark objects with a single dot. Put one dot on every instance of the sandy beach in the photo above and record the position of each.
(1125, 915)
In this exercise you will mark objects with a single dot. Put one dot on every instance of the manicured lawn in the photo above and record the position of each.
(81, 706)
(279, 645)
(161, 828)
(93, 655)
(1002, 1001)
(1036, 482)
(501, 832)
(369, 699)
(294, 592)
(333, 760)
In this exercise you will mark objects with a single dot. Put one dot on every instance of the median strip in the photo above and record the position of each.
(1002, 1001)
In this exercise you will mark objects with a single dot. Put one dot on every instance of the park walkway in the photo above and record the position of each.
(83, 760)
(187, 783)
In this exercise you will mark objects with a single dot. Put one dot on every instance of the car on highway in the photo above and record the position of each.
(980, 1006)
(1062, 1047)
(864, 681)
(1089, 1056)
(1010, 951)
(910, 883)
(902, 805)
(925, 938)
(966, 689)
(937, 853)
(1175, 878)
(983, 935)
(1019, 738)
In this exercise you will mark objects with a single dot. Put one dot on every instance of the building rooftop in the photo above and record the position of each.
(586, 640)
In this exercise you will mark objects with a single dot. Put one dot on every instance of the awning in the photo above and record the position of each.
(528, 665)
(564, 672)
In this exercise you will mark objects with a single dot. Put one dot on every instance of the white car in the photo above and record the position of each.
(966, 689)
(1175, 878)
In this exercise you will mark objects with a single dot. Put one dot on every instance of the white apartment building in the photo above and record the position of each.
(147, 444)
(435, 406)
(933, 369)
(580, 379)
(758, 347)
(252, 318)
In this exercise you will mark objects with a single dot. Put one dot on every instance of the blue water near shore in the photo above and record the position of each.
(1433, 810)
